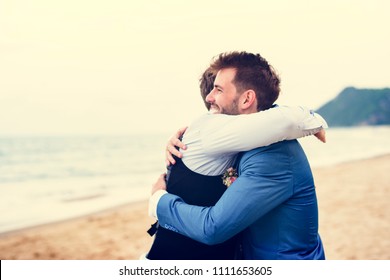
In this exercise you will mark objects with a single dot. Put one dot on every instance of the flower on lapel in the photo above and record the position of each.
(229, 176)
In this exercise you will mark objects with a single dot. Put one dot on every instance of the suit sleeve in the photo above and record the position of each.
(265, 182)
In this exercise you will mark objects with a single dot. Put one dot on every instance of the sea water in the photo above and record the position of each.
(50, 178)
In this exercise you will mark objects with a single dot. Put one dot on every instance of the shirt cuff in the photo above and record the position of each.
(314, 121)
(153, 202)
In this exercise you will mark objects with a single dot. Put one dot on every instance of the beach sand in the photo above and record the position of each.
(354, 222)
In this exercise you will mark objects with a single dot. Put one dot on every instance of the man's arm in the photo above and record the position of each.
(263, 185)
(222, 134)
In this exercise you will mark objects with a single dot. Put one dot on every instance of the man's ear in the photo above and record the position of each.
(248, 99)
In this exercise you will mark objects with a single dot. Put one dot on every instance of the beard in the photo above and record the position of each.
(232, 109)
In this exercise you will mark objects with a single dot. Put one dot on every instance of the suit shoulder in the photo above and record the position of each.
(275, 146)
(281, 150)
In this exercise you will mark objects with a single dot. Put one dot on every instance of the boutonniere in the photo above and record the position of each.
(229, 176)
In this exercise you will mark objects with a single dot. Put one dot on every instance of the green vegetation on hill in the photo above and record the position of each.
(355, 107)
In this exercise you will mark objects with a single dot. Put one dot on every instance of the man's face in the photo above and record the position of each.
(224, 98)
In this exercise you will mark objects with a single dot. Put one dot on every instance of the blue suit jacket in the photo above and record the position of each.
(273, 203)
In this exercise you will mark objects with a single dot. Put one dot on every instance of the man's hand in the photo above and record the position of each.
(160, 184)
(321, 135)
(171, 149)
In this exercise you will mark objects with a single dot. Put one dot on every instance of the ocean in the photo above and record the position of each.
(46, 179)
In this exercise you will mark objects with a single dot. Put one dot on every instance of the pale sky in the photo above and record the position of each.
(120, 66)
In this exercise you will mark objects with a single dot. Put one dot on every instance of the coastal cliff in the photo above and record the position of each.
(358, 107)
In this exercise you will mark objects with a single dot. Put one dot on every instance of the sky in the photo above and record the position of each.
(122, 67)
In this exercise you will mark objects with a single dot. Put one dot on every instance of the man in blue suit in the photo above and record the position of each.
(272, 204)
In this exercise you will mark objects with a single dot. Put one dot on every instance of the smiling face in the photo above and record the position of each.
(242, 76)
(224, 99)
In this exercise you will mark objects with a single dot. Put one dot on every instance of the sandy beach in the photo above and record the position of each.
(354, 222)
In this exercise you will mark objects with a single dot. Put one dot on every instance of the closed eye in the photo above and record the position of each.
(218, 88)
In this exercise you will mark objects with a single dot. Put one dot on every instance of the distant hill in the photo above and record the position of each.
(356, 107)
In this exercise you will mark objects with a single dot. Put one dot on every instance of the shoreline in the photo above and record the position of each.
(353, 207)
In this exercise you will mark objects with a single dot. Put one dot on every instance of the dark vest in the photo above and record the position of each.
(195, 189)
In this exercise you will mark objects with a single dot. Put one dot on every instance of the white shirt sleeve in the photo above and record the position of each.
(153, 201)
(227, 134)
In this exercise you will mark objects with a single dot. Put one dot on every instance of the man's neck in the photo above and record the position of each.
(250, 110)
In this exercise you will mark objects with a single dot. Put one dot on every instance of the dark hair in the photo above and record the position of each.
(206, 83)
(253, 72)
